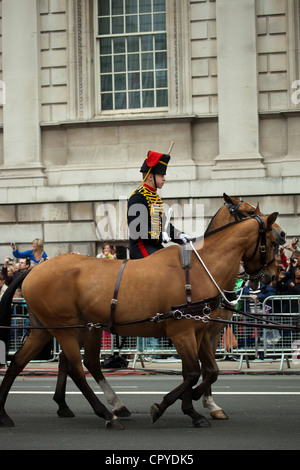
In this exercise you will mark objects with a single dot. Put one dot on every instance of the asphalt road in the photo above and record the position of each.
(264, 413)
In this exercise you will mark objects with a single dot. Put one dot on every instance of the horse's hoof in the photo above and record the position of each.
(5, 421)
(155, 412)
(122, 412)
(114, 424)
(201, 422)
(65, 413)
(219, 414)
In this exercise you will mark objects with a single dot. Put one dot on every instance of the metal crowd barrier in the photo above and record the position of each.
(238, 341)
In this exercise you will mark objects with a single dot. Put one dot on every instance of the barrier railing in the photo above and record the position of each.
(238, 341)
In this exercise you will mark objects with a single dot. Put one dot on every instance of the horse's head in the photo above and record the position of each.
(278, 232)
(262, 259)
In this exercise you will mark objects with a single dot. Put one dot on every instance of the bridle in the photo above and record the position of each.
(234, 210)
(238, 216)
(261, 243)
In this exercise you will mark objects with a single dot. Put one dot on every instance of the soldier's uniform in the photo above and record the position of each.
(145, 215)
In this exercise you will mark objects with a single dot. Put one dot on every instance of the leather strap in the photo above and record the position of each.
(186, 261)
(114, 301)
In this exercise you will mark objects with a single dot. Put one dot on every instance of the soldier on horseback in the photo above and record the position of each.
(148, 226)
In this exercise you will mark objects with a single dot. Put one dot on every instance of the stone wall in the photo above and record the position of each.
(235, 125)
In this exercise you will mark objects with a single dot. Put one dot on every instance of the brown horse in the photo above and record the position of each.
(71, 289)
(233, 209)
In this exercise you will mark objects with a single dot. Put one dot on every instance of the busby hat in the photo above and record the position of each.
(156, 163)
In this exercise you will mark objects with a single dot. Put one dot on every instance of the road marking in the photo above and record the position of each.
(24, 392)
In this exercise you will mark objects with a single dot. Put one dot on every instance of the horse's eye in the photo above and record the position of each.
(251, 212)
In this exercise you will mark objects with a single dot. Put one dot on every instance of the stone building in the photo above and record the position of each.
(89, 86)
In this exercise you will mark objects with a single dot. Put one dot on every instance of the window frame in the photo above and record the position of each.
(136, 111)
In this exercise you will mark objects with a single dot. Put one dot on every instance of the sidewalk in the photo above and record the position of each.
(173, 366)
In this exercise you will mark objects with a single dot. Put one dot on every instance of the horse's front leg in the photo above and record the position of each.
(187, 350)
(208, 402)
(210, 373)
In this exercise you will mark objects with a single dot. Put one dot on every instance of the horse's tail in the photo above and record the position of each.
(5, 306)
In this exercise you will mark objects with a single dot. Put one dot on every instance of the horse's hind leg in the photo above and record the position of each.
(92, 346)
(69, 344)
(60, 390)
(33, 345)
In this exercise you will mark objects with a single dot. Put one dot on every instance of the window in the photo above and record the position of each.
(132, 43)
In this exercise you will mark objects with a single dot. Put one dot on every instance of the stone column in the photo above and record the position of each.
(21, 112)
(237, 91)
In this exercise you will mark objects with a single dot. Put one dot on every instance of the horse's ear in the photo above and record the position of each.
(271, 219)
(257, 210)
(228, 199)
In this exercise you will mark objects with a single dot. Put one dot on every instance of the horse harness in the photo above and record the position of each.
(201, 310)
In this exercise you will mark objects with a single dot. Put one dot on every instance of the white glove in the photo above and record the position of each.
(184, 237)
(165, 237)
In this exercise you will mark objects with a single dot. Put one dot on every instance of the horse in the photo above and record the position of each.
(72, 289)
(232, 209)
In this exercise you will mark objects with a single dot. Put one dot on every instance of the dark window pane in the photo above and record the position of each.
(130, 6)
(147, 80)
(103, 26)
(147, 61)
(106, 83)
(119, 63)
(161, 60)
(120, 101)
(160, 42)
(105, 46)
(159, 22)
(119, 45)
(148, 99)
(159, 5)
(133, 62)
(106, 101)
(105, 64)
(161, 79)
(147, 42)
(103, 7)
(117, 7)
(161, 98)
(134, 100)
(120, 81)
(117, 24)
(134, 81)
(131, 24)
(145, 23)
(145, 6)
(133, 44)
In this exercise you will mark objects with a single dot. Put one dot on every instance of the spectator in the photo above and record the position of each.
(3, 286)
(107, 252)
(36, 255)
(293, 285)
(267, 288)
(7, 271)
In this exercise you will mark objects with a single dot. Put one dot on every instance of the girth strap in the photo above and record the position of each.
(114, 301)
(186, 261)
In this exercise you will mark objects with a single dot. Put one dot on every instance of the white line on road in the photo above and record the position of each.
(130, 392)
